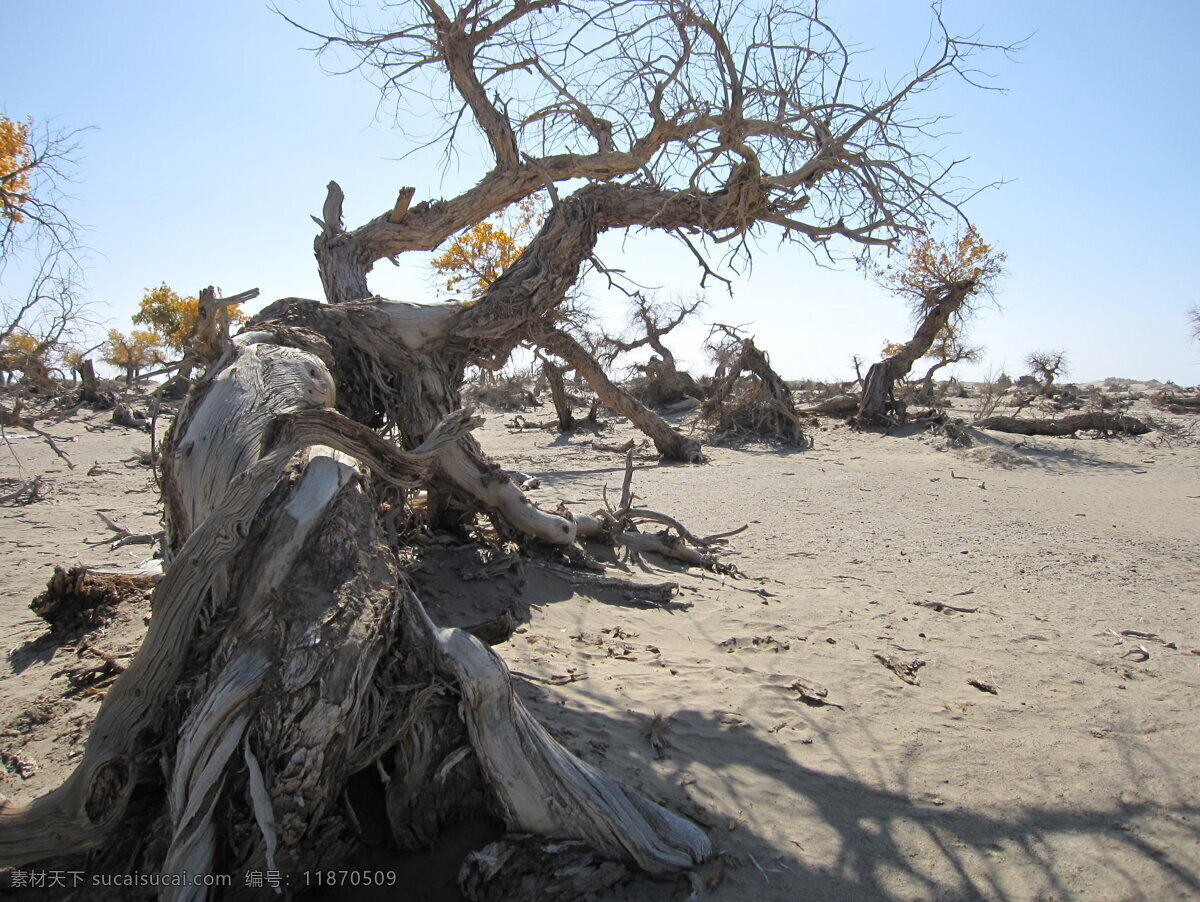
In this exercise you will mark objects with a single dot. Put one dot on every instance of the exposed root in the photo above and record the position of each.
(78, 599)
(619, 527)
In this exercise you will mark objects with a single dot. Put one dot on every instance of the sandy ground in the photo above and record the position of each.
(1077, 778)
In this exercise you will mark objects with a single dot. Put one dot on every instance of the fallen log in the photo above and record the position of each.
(1104, 423)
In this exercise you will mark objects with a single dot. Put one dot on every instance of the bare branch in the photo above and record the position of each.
(682, 97)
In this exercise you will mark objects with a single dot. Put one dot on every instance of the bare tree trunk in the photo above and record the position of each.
(878, 406)
(558, 394)
(287, 654)
(89, 392)
(671, 445)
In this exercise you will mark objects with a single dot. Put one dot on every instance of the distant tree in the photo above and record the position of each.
(478, 255)
(942, 282)
(948, 348)
(133, 352)
(1194, 316)
(174, 317)
(1046, 366)
(35, 230)
(18, 352)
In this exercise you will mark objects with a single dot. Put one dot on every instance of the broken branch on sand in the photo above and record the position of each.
(26, 493)
(125, 536)
(942, 607)
(906, 670)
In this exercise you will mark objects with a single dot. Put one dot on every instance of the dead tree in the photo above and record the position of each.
(1047, 366)
(37, 234)
(763, 407)
(287, 651)
(558, 393)
(942, 284)
(948, 349)
(661, 381)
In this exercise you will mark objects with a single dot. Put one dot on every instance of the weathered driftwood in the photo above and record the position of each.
(286, 653)
(1106, 423)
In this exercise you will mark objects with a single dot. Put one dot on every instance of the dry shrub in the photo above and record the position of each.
(991, 391)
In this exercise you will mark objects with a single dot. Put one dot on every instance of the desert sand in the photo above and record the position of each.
(1040, 595)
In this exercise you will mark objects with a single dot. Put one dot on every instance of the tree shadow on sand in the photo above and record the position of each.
(890, 845)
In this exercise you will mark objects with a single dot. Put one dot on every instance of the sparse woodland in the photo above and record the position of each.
(320, 446)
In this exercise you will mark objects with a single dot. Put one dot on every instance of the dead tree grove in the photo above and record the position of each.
(287, 651)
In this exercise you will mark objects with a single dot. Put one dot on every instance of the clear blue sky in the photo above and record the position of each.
(214, 135)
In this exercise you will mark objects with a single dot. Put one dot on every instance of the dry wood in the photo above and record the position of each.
(1104, 423)
(522, 866)
(614, 449)
(942, 607)
(546, 790)
(249, 704)
(26, 493)
(812, 694)
(906, 670)
(123, 415)
(671, 444)
(764, 407)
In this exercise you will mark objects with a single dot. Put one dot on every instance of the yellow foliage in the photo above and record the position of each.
(172, 317)
(891, 349)
(134, 351)
(478, 256)
(15, 160)
(18, 348)
(931, 265)
(73, 357)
